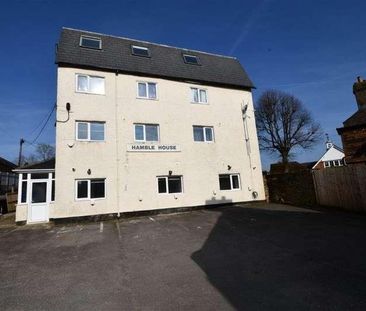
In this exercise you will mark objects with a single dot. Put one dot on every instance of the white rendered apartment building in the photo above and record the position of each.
(143, 126)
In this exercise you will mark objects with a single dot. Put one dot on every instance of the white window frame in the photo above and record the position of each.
(89, 189)
(144, 126)
(90, 38)
(167, 184)
(199, 95)
(52, 178)
(88, 78)
(147, 90)
(141, 48)
(326, 164)
(89, 132)
(231, 182)
(204, 134)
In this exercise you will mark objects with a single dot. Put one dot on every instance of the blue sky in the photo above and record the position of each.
(312, 49)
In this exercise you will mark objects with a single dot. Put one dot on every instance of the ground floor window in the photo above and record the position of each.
(90, 189)
(170, 184)
(229, 181)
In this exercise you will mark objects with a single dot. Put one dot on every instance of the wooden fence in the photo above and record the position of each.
(343, 187)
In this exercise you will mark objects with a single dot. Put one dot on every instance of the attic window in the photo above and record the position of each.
(91, 42)
(140, 51)
(190, 59)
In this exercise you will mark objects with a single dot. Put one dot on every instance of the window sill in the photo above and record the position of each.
(146, 98)
(90, 141)
(146, 142)
(89, 200)
(199, 103)
(89, 93)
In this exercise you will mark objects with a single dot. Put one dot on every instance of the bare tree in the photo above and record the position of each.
(284, 124)
(45, 152)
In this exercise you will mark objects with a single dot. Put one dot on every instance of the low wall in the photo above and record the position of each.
(292, 188)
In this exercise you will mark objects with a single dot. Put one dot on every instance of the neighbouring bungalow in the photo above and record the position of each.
(143, 126)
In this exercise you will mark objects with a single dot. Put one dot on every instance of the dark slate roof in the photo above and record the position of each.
(165, 61)
(358, 118)
(6, 166)
(48, 164)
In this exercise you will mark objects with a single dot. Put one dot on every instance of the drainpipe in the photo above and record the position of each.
(117, 142)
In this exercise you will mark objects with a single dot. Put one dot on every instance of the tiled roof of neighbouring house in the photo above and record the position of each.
(163, 61)
(6, 166)
(358, 118)
(48, 164)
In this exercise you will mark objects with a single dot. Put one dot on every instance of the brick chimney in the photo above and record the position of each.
(359, 89)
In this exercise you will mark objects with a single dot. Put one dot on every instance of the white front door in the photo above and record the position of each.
(38, 204)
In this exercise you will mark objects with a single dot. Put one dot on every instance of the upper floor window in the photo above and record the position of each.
(190, 59)
(146, 90)
(198, 95)
(170, 184)
(140, 51)
(90, 84)
(203, 133)
(146, 132)
(90, 189)
(229, 181)
(90, 42)
(90, 131)
(333, 163)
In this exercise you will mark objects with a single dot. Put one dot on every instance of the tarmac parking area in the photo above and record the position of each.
(245, 257)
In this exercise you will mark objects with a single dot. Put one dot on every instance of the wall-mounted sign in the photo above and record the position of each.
(153, 148)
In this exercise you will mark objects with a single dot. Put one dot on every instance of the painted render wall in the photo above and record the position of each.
(131, 183)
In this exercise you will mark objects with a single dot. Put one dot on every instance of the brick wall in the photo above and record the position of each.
(292, 188)
(354, 142)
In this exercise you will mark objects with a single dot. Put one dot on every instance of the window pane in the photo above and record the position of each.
(24, 192)
(203, 97)
(82, 130)
(190, 59)
(235, 179)
(174, 184)
(194, 95)
(151, 133)
(96, 85)
(39, 176)
(152, 90)
(82, 83)
(39, 192)
(162, 185)
(139, 132)
(224, 182)
(96, 131)
(97, 188)
(24, 176)
(82, 189)
(53, 191)
(90, 43)
(142, 90)
(208, 133)
(140, 51)
(198, 133)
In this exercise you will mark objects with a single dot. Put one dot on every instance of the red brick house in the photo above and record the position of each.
(353, 132)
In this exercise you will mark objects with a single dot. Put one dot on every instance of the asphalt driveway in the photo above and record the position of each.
(250, 257)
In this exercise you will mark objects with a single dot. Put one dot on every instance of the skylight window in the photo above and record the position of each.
(190, 59)
(140, 51)
(90, 42)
